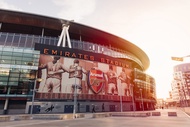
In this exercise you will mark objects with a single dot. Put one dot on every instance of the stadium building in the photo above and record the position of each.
(54, 65)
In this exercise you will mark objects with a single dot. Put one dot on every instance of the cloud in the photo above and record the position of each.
(8, 6)
(75, 9)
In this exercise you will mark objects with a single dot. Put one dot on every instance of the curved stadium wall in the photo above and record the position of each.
(97, 66)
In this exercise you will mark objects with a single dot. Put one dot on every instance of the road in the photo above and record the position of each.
(181, 120)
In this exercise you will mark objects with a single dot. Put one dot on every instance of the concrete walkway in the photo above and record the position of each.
(163, 120)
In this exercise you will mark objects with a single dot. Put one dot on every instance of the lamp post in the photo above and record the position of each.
(121, 103)
(75, 97)
(142, 99)
(132, 97)
(33, 94)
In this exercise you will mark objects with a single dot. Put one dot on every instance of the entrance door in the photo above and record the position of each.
(87, 108)
(131, 107)
(36, 109)
(112, 108)
(68, 108)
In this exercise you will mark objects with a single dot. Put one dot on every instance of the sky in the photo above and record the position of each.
(161, 28)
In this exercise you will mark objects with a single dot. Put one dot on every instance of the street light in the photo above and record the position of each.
(33, 94)
(75, 97)
(131, 85)
(142, 99)
(121, 104)
(179, 58)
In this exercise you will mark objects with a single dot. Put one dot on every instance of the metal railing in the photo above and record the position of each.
(28, 41)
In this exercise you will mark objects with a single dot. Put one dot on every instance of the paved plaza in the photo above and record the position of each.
(181, 120)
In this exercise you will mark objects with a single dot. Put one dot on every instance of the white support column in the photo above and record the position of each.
(61, 37)
(5, 106)
(64, 35)
(43, 32)
(68, 37)
(6, 102)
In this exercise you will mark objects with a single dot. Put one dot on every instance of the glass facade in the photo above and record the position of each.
(144, 89)
(17, 68)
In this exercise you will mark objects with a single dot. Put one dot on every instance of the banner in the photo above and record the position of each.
(93, 79)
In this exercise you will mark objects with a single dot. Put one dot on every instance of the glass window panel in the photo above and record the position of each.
(36, 52)
(80, 45)
(29, 41)
(25, 75)
(30, 63)
(26, 59)
(17, 54)
(36, 64)
(90, 47)
(4, 78)
(24, 71)
(7, 49)
(6, 57)
(14, 70)
(75, 45)
(85, 46)
(9, 40)
(52, 41)
(22, 41)
(35, 60)
(46, 40)
(29, 51)
(2, 39)
(12, 79)
(95, 48)
(7, 53)
(3, 83)
(3, 61)
(4, 72)
(17, 58)
(15, 40)
(18, 50)
(36, 40)
(23, 63)
(14, 75)
(27, 55)
(14, 83)
(25, 67)
(36, 56)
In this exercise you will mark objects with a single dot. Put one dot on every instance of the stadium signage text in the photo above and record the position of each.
(80, 54)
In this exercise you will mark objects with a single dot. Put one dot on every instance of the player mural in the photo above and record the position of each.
(92, 77)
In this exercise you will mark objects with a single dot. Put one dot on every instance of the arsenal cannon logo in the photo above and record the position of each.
(96, 80)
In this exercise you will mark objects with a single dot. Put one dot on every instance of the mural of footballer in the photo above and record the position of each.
(111, 81)
(124, 82)
(76, 72)
(54, 75)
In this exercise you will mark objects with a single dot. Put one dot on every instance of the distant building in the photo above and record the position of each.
(160, 103)
(181, 84)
